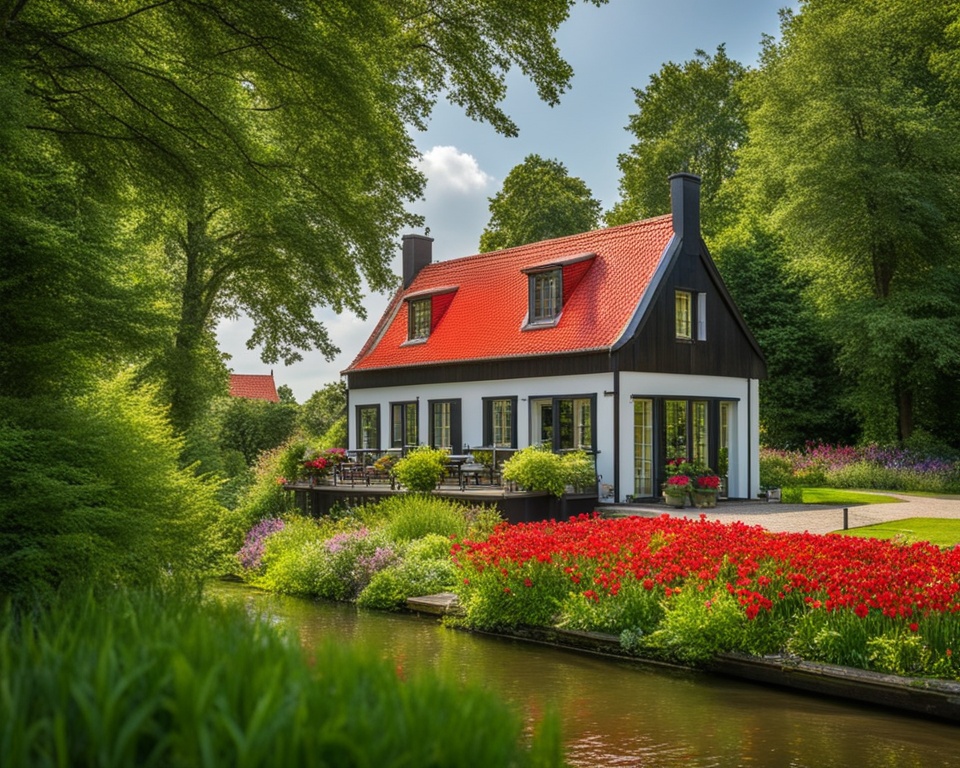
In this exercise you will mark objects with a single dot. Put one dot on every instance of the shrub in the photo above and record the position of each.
(421, 470)
(425, 569)
(579, 470)
(633, 606)
(536, 469)
(92, 488)
(251, 553)
(412, 517)
(697, 626)
(152, 680)
(776, 471)
(293, 558)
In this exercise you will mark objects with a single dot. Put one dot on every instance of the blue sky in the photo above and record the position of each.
(612, 49)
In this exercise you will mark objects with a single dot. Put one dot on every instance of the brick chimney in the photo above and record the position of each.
(685, 205)
(417, 253)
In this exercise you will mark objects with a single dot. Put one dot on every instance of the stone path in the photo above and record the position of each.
(815, 518)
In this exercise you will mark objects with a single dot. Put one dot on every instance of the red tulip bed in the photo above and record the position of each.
(685, 590)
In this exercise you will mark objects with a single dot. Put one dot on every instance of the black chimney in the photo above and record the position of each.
(417, 253)
(685, 202)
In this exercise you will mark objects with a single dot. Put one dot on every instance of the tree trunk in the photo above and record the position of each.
(904, 413)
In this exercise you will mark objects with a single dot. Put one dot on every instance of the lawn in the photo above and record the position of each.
(938, 531)
(844, 497)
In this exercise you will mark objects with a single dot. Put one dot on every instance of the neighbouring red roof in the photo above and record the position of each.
(485, 316)
(254, 386)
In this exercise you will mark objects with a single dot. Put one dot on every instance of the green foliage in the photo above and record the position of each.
(775, 471)
(538, 201)
(262, 498)
(263, 203)
(323, 409)
(633, 606)
(410, 517)
(425, 569)
(336, 435)
(853, 156)
(421, 470)
(690, 118)
(332, 560)
(697, 626)
(91, 488)
(802, 397)
(152, 680)
(293, 559)
(536, 469)
(253, 426)
(579, 470)
(539, 469)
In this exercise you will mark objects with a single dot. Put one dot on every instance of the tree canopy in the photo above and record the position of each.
(267, 145)
(690, 118)
(539, 200)
(853, 157)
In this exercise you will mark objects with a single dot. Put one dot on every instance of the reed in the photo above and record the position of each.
(152, 679)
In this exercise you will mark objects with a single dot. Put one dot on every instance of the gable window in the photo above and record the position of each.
(546, 294)
(419, 324)
(445, 429)
(368, 426)
(499, 422)
(683, 306)
(691, 315)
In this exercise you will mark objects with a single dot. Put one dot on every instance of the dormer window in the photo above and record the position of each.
(550, 286)
(420, 317)
(546, 296)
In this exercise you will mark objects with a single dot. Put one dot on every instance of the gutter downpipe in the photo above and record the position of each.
(749, 441)
(616, 428)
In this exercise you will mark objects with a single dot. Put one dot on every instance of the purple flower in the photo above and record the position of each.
(251, 553)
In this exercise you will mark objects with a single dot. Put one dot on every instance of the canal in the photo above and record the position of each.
(618, 713)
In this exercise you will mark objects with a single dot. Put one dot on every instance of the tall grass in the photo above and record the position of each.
(164, 680)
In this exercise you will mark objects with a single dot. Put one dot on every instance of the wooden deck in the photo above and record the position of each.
(514, 506)
(440, 604)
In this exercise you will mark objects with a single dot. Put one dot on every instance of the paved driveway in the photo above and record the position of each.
(815, 518)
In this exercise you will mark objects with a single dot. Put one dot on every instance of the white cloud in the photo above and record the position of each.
(449, 169)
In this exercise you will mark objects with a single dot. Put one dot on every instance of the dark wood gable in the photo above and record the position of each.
(729, 348)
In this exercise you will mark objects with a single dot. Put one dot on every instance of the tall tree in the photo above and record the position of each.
(268, 143)
(539, 200)
(690, 118)
(854, 157)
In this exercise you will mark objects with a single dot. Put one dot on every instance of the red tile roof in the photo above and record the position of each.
(254, 386)
(485, 318)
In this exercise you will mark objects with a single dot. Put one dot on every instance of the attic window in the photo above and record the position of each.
(546, 296)
(691, 315)
(419, 323)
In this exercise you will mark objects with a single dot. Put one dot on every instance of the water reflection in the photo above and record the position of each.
(615, 713)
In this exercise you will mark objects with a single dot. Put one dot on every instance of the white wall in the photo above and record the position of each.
(744, 465)
(471, 395)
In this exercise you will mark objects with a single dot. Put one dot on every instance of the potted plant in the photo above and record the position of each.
(705, 488)
(676, 490)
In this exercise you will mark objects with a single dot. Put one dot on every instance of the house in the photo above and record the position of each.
(621, 341)
(254, 386)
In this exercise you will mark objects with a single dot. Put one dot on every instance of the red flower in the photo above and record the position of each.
(914, 627)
